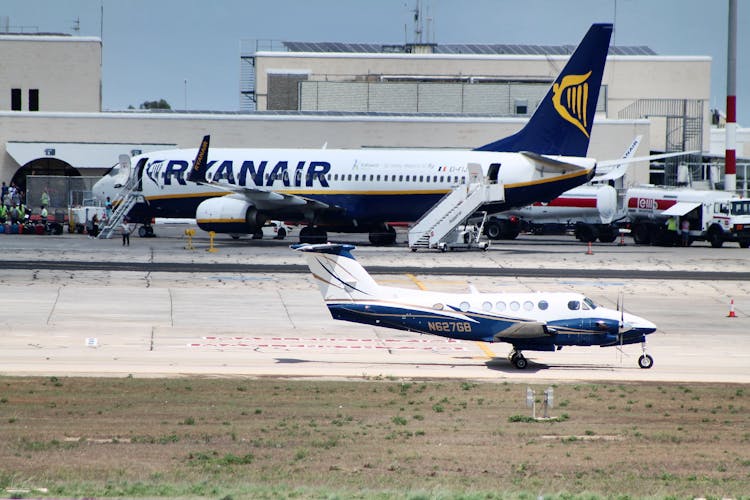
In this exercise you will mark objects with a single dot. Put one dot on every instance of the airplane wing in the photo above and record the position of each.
(524, 330)
(636, 159)
(262, 199)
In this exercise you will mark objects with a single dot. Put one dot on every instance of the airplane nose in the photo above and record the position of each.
(641, 325)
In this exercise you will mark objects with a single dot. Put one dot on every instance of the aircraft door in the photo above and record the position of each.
(475, 172)
(139, 173)
(493, 173)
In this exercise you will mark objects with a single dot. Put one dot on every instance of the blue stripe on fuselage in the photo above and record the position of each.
(366, 208)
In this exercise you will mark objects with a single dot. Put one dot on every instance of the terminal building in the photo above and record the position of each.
(295, 94)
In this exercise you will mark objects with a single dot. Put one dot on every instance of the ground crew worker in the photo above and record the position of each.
(672, 230)
(44, 215)
(45, 198)
(3, 213)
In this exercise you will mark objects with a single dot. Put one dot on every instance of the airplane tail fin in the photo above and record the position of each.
(200, 165)
(561, 125)
(339, 275)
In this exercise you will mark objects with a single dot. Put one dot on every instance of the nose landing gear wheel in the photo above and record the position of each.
(645, 361)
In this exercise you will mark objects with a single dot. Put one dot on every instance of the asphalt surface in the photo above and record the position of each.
(78, 306)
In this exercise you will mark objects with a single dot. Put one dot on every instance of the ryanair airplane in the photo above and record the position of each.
(236, 190)
(540, 321)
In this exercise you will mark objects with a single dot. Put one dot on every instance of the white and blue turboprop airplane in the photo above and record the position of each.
(236, 190)
(529, 321)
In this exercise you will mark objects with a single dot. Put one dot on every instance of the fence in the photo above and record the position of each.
(63, 191)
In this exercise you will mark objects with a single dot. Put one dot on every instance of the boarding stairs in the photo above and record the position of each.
(127, 198)
(439, 224)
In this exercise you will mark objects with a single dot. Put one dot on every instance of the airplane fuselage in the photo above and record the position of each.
(530, 321)
(362, 188)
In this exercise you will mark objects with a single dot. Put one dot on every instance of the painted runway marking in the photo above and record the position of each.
(451, 345)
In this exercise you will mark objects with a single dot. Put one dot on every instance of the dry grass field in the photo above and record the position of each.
(375, 438)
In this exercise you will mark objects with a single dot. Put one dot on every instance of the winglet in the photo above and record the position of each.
(200, 165)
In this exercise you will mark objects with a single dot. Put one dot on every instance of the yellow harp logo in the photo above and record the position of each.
(571, 99)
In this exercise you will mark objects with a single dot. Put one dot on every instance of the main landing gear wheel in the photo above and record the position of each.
(645, 361)
(518, 360)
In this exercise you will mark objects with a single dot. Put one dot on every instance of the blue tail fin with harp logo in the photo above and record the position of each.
(561, 125)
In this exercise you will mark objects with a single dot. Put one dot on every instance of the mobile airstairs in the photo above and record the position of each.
(128, 197)
(444, 226)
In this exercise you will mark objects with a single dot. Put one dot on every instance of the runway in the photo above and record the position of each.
(146, 323)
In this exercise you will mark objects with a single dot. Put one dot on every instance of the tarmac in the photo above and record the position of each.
(104, 322)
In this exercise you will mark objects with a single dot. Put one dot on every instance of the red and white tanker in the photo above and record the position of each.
(592, 210)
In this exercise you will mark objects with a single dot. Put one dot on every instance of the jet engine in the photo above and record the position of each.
(229, 215)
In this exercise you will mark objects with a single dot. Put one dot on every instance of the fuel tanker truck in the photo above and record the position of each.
(599, 212)
(592, 211)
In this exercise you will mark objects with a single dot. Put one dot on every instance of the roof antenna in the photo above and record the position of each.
(77, 25)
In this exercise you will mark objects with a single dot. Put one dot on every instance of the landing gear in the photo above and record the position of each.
(146, 231)
(313, 235)
(518, 360)
(383, 237)
(645, 361)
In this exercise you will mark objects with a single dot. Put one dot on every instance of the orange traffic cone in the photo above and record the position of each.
(588, 250)
(731, 309)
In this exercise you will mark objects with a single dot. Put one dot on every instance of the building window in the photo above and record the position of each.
(33, 99)
(522, 106)
(15, 99)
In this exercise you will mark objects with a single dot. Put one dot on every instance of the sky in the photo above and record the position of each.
(188, 51)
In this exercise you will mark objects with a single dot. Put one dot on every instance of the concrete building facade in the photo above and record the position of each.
(62, 130)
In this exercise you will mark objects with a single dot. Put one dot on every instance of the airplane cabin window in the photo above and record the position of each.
(464, 306)
(500, 306)
(421, 178)
(590, 303)
(372, 177)
(349, 177)
(487, 306)
(542, 305)
(441, 178)
(528, 305)
(515, 306)
(574, 305)
(438, 306)
(400, 178)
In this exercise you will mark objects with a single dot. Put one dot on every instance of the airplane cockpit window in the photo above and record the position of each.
(543, 305)
(115, 171)
(590, 304)
(574, 305)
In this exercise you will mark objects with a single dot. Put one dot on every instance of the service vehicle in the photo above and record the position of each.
(713, 216)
